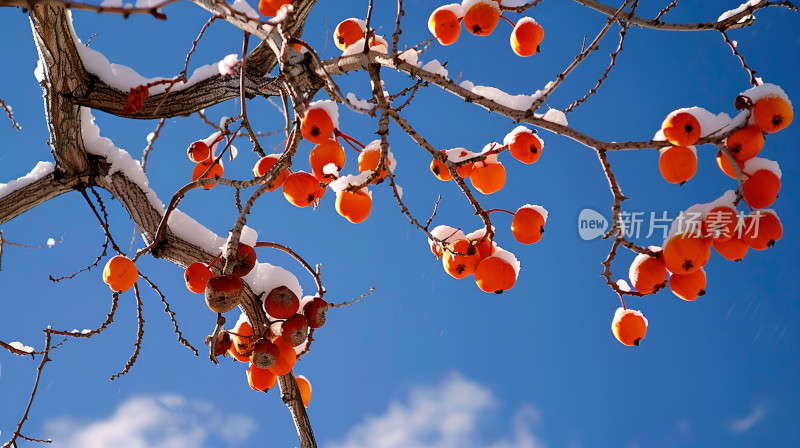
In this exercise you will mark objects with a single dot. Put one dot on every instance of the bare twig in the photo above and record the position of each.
(171, 314)
(739, 55)
(665, 10)
(139, 335)
(10, 114)
(150, 143)
(353, 301)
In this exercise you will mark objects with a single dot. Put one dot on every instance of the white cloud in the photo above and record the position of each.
(747, 422)
(445, 416)
(167, 421)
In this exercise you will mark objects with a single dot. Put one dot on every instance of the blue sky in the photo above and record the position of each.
(426, 360)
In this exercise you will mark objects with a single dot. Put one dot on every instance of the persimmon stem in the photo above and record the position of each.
(213, 261)
(500, 210)
(350, 140)
(513, 25)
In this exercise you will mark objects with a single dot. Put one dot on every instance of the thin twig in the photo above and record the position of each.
(139, 334)
(356, 300)
(171, 314)
(10, 114)
(150, 143)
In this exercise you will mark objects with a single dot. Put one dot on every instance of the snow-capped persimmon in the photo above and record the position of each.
(120, 273)
(369, 159)
(772, 113)
(526, 37)
(223, 293)
(685, 253)
(762, 228)
(681, 129)
(286, 359)
(629, 326)
(201, 167)
(648, 274)
(745, 143)
(527, 226)
(444, 24)
(198, 151)
(688, 286)
(488, 178)
(720, 223)
(761, 189)
(460, 259)
(301, 188)
(281, 302)
(355, 206)
(317, 125)
(196, 276)
(304, 386)
(445, 233)
(264, 164)
(677, 164)
(259, 379)
(481, 17)
(265, 9)
(347, 33)
(439, 169)
(524, 145)
(329, 151)
(494, 274)
(726, 166)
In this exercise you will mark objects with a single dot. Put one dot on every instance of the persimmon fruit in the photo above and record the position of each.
(120, 273)
(772, 113)
(681, 129)
(629, 326)
(460, 259)
(201, 167)
(304, 386)
(745, 143)
(677, 164)
(281, 302)
(355, 206)
(526, 37)
(444, 25)
(688, 286)
(494, 274)
(198, 151)
(259, 379)
(301, 189)
(648, 274)
(317, 125)
(482, 17)
(527, 226)
(264, 164)
(196, 276)
(761, 189)
(223, 293)
(329, 151)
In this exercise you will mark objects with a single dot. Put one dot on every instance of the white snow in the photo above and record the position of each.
(514, 3)
(228, 65)
(21, 347)
(243, 7)
(359, 103)
(456, 155)
(456, 8)
(330, 107)
(478, 234)
(467, 4)
(39, 171)
(741, 8)
(343, 182)
(248, 236)
(766, 90)
(410, 56)
(186, 228)
(541, 210)
(640, 258)
(51, 242)
(375, 145)
(623, 285)
(265, 277)
(436, 68)
(759, 163)
(556, 116)
(447, 234)
(331, 169)
(519, 130)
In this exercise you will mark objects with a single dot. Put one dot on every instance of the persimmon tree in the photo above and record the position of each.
(277, 64)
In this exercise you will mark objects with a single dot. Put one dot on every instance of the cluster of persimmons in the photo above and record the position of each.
(495, 270)
(480, 17)
(718, 225)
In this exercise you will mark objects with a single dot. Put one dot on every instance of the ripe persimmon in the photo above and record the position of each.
(304, 386)
(726, 166)
(648, 274)
(242, 346)
(276, 4)
(355, 206)
(315, 312)
(681, 129)
(196, 276)
(286, 359)
(685, 253)
(201, 167)
(772, 113)
(301, 188)
(198, 151)
(444, 24)
(294, 330)
(745, 143)
(528, 223)
(317, 125)
(688, 286)
(120, 273)
(347, 33)
(223, 293)
(526, 37)
(494, 274)
(281, 302)
(733, 249)
(265, 9)
(369, 159)
(260, 379)
(264, 164)
(439, 169)
(265, 354)
(629, 326)
(720, 223)
(488, 178)
(481, 17)
(445, 233)
(524, 145)
(244, 261)
(328, 151)
(762, 229)
(677, 164)
(761, 189)
(460, 259)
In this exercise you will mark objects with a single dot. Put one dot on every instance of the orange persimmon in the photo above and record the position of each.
(301, 189)
(524, 145)
(745, 143)
(201, 167)
(488, 178)
(317, 125)
(677, 164)
(347, 33)
(286, 360)
(733, 249)
(494, 274)
(681, 129)
(761, 189)
(264, 164)
(482, 17)
(648, 274)
(762, 229)
(304, 386)
(720, 223)
(198, 151)
(629, 326)
(242, 346)
(369, 159)
(772, 113)
(444, 25)
(526, 37)
(726, 166)
(329, 151)
(196, 276)
(355, 206)
(260, 379)
(685, 253)
(688, 286)
(120, 273)
(527, 226)
(460, 259)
